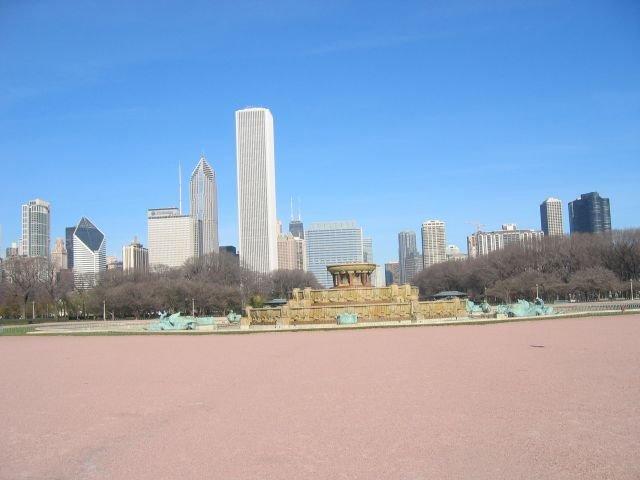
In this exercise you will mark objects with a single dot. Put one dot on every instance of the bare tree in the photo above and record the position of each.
(24, 274)
(284, 281)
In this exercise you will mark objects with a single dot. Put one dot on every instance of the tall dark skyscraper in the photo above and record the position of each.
(590, 214)
(296, 228)
(68, 243)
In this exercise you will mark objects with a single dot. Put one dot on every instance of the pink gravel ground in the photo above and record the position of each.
(457, 402)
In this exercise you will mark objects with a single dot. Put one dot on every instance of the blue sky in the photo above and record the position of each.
(388, 113)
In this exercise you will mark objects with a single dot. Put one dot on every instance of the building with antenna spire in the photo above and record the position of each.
(180, 187)
(296, 228)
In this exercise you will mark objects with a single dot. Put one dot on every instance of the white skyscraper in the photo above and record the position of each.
(434, 242)
(204, 205)
(483, 243)
(551, 217)
(172, 238)
(89, 254)
(257, 224)
(36, 228)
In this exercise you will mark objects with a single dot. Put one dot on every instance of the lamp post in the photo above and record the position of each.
(33, 309)
(104, 310)
(241, 297)
(537, 292)
(631, 289)
(193, 307)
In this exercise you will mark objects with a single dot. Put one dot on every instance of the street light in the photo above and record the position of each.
(33, 309)
(631, 289)
(193, 307)
(104, 310)
(537, 294)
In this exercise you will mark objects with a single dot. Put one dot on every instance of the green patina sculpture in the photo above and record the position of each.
(471, 307)
(177, 322)
(173, 322)
(347, 318)
(233, 317)
(525, 309)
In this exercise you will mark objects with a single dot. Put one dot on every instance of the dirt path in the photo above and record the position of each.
(551, 399)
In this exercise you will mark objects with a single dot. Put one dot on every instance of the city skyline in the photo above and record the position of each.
(498, 144)
(550, 207)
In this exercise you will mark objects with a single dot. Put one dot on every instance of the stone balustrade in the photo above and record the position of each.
(325, 313)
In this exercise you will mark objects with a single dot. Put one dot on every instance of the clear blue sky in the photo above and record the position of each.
(388, 113)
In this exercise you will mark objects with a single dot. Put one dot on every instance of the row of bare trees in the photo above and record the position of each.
(579, 266)
(584, 267)
(212, 284)
(33, 280)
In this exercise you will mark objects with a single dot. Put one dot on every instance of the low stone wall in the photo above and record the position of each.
(367, 312)
(341, 296)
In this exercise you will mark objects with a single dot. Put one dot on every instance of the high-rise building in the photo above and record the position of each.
(292, 252)
(551, 217)
(378, 277)
(229, 251)
(89, 254)
(13, 250)
(113, 263)
(59, 255)
(257, 230)
(135, 258)
(472, 251)
(434, 242)
(367, 250)
(173, 238)
(410, 259)
(483, 243)
(454, 253)
(392, 273)
(68, 240)
(590, 213)
(204, 205)
(296, 228)
(329, 243)
(36, 227)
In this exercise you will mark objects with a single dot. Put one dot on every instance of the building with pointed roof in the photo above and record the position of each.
(204, 206)
(89, 254)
